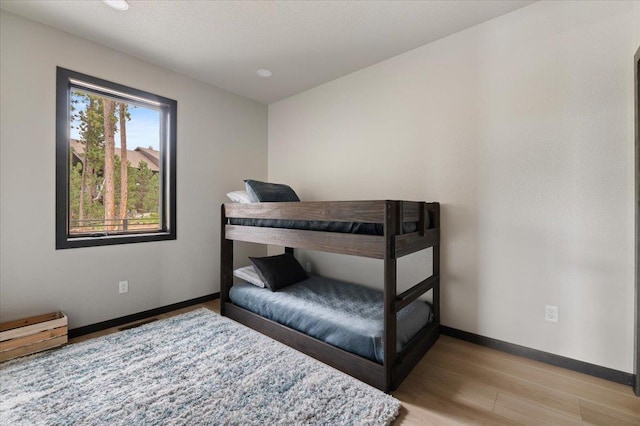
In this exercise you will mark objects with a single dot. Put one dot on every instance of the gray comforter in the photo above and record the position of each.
(348, 316)
(317, 225)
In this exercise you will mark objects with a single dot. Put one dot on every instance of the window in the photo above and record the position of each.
(115, 163)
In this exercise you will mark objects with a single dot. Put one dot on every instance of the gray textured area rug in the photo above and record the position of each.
(195, 368)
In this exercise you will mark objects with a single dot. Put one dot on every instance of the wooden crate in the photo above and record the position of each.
(30, 335)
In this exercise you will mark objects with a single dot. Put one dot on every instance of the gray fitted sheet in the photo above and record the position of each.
(348, 316)
(317, 225)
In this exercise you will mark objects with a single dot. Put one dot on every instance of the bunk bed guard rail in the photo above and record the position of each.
(423, 214)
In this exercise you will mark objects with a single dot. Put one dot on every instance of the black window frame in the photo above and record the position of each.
(65, 82)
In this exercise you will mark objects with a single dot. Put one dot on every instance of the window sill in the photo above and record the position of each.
(108, 240)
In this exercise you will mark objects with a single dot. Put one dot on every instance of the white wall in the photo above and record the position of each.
(222, 138)
(522, 128)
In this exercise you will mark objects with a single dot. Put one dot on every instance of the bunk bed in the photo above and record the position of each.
(405, 227)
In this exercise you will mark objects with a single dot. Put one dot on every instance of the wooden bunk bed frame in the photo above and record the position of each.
(388, 247)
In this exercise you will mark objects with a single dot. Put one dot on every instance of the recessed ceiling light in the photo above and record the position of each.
(264, 73)
(117, 4)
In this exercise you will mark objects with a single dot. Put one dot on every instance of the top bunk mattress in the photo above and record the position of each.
(348, 316)
(324, 226)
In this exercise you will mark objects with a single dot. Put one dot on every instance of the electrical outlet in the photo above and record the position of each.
(308, 267)
(123, 287)
(550, 313)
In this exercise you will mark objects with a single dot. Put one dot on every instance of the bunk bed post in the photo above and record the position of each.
(391, 229)
(436, 265)
(226, 263)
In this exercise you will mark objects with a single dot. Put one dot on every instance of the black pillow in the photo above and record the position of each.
(269, 192)
(279, 271)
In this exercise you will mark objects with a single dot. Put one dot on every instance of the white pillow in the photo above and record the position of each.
(239, 196)
(249, 274)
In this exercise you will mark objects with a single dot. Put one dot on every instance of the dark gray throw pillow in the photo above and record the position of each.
(279, 271)
(269, 192)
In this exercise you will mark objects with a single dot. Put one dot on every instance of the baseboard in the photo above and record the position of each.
(546, 357)
(92, 328)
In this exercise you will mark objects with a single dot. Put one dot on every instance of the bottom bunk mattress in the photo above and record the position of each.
(348, 316)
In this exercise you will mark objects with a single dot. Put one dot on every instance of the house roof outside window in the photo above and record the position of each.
(135, 157)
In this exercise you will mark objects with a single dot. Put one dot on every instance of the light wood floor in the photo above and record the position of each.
(461, 383)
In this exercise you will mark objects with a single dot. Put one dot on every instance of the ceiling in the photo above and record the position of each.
(224, 43)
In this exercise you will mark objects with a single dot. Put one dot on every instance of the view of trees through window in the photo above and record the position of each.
(114, 169)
